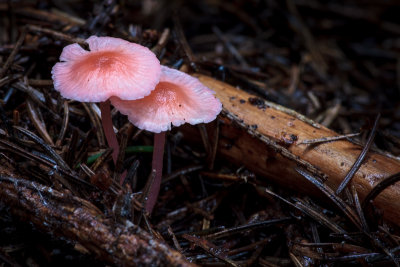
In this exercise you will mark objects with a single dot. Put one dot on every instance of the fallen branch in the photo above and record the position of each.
(263, 136)
(79, 221)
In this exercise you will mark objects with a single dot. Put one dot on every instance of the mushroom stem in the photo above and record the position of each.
(157, 166)
(108, 129)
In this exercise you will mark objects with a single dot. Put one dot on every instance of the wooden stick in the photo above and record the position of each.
(263, 137)
(77, 220)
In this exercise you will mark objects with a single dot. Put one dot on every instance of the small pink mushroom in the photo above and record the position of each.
(112, 67)
(178, 98)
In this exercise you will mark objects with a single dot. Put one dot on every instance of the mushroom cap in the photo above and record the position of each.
(177, 98)
(112, 67)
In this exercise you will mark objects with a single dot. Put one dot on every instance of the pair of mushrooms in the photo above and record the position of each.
(130, 76)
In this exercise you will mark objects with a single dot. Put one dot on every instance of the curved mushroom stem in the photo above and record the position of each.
(108, 129)
(157, 166)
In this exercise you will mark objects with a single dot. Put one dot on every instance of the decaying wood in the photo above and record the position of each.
(269, 142)
(78, 220)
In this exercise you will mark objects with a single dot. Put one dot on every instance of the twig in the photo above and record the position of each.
(246, 227)
(358, 162)
(162, 42)
(185, 45)
(382, 185)
(182, 171)
(359, 210)
(96, 123)
(347, 210)
(326, 139)
(60, 161)
(64, 124)
(210, 248)
(39, 125)
(58, 35)
(317, 216)
(14, 52)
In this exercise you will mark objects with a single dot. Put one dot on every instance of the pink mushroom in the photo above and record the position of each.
(178, 98)
(112, 67)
